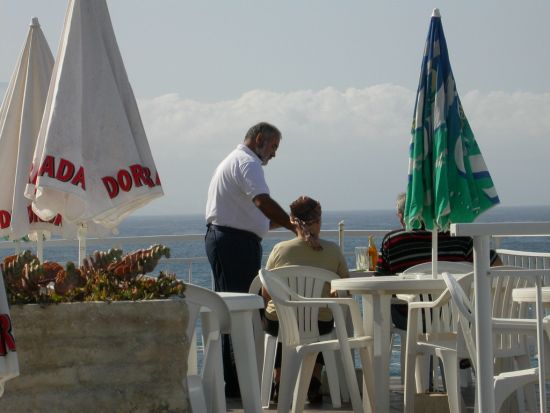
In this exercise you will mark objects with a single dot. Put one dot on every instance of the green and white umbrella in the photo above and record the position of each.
(448, 178)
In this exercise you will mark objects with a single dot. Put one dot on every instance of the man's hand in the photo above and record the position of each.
(272, 210)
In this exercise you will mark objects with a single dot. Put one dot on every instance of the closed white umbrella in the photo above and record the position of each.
(9, 364)
(92, 163)
(20, 118)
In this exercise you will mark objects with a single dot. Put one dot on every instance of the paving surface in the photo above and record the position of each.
(396, 401)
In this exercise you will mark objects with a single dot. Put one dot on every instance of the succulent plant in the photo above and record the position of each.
(102, 276)
(69, 279)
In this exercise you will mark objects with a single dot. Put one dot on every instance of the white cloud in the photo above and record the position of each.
(347, 147)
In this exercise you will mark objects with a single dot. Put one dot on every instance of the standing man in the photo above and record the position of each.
(239, 213)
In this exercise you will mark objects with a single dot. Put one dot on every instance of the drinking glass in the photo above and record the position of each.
(362, 258)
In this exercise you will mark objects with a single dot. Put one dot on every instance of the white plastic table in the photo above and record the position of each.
(243, 309)
(376, 293)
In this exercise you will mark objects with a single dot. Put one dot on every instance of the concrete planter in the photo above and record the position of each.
(99, 357)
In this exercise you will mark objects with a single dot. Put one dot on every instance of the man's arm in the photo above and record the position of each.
(272, 210)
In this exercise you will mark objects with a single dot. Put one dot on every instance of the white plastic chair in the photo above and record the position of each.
(270, 346)
(432, 329)
(422, 369)
(511, 349)
(504, 383)
(206, 389)
(300, 337)
(337, 392)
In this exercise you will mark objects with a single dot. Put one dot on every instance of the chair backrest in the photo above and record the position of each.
(197, 297)
(454, 267)
(255, 285)
(509, 344)
(466, 317)
(293, 283)
(442, 321)
(505, 344)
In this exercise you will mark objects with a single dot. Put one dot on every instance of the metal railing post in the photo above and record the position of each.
(341, 235)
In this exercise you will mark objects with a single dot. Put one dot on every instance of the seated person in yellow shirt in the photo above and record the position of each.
(306, 249)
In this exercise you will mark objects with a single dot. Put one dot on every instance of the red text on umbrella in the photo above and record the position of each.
(5, 219)
(65, 171)
(7, 342)
(137, 175)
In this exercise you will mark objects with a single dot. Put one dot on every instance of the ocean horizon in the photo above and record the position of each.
(185, 224)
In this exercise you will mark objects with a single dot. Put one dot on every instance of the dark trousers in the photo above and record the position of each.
(235, 257)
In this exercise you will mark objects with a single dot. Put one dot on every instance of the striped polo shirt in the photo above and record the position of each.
(402, 249)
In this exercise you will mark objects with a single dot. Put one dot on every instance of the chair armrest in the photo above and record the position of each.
(438, 302)
(334, 304)
(514, 324)
(404, 298)
(319, 302)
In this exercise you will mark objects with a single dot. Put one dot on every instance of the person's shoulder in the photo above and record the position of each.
(399, 232)
(401, 235)
(329, 245)
(245, 155)
(285, 244)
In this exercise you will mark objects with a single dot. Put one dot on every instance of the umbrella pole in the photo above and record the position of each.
(40, 246)
(82, 232)
(435, 253)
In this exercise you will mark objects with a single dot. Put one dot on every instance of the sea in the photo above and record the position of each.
(200, 273)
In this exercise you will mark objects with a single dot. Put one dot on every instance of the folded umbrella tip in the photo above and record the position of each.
(435, 13)
(34, 22)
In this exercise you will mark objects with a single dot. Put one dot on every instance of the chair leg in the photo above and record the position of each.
(410, 387)
(302, 384)
(523, 362)
(367, 376)
(452, 379)
(333, 378)
(344, 392)
(212, 380)
(290, 366)
(196, 394)
(423, 372)
(402, 353)
(351, 378)
(270, 348)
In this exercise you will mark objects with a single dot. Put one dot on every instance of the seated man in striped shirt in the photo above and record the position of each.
(402, 249)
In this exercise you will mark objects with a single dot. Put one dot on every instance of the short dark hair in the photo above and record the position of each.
(263, 127)
(306, 209)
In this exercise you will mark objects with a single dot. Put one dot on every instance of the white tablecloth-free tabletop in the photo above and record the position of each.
(528, 295)
(376, 293)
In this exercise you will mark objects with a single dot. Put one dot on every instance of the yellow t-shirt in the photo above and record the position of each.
(297, 252)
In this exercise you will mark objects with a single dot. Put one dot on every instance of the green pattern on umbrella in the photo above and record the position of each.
(448, 179)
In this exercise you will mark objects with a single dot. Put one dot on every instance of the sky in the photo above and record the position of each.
(338, 78)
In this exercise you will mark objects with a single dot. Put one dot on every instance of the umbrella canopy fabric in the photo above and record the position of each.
(92, 162)
(20, 117)
(448, 178)
(9, 364)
